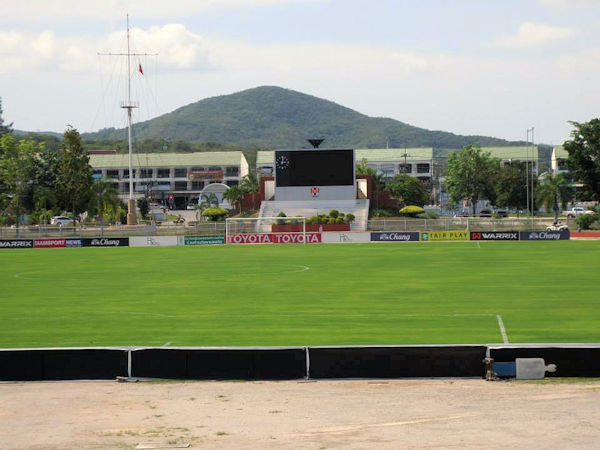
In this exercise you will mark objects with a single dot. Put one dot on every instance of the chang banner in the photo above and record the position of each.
(16, 243)
(201, 240)
(395, 236)
(545, 235)
(494, 235)
(105, 242)
(273, 238)
(445, 236)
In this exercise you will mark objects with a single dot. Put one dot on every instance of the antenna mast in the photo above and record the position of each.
(129, 105)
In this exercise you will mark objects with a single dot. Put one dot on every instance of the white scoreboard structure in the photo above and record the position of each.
(318, 174)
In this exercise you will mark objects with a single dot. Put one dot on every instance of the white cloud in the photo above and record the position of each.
(571, 3)
(60, 11)
(533, 35)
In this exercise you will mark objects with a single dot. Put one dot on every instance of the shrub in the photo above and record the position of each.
(585, 221)
(280, 221)
(339, 220)
(430, 215)
(323, 218)
(215, 214)
(411, 211)
(382, 213)
(312, 220)
(349, 218)
(334, 213)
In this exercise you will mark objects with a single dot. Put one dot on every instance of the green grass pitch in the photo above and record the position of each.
(330, 294)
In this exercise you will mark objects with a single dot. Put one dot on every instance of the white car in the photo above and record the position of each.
(61, 221)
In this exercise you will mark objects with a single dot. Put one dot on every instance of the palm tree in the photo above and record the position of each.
(555, 191)
(250, 185)
(104, 198)
(206, 201)
(234, 195)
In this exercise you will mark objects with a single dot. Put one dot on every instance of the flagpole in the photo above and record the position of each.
(129, 105)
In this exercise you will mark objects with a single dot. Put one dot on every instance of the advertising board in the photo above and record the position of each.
(494, 235)
(49, 243)
(337, 237)
(16, 243)
(201, 240)
(152, 241)
(105, 242)
(395, 236)
(273, 238)
(545, 235)
(445, 236)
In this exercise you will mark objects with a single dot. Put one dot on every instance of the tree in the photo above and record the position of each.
(251, 185)
(471, 174)
(408, 190)
(74, 174)
(17, 174)
(511, 186)
(584, 156)
(234, 195)
(103, 198)
(144, 206)
(555, 191)
(363, 169)
(4, 129)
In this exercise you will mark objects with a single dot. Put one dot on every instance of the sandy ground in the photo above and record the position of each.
(357, 414)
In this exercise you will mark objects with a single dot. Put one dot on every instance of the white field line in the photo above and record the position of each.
(333, 314)
(502, 329)
(350, 428)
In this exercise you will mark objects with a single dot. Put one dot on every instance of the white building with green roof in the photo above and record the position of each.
(178, 177)
(558, 163)
(389, 162)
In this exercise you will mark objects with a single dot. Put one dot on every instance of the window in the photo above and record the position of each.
(180, 173)
(232, 182)
(562, 164)
(181, 185)
(163, 173)
(422, 168)
(126, 173)
(197, 169)
(405, 168)
(232, 171)
(145, 173)
(197, 185)
(214, 168)
(112, 173)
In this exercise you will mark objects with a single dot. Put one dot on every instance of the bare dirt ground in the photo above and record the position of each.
(357, 414)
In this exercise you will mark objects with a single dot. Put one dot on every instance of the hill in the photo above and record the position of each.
(273, 117)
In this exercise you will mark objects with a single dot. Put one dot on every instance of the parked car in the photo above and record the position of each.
(61, 221)
(485, 213)
(576, 211)
(191, 206)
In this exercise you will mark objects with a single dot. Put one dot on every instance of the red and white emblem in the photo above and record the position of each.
(314, 191)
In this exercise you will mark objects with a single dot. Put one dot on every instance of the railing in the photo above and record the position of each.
(456, 223)
(459, 223)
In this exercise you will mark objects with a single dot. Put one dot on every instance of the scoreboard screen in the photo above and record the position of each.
(296, 168)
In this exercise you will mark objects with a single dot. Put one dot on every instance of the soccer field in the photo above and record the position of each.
(336, 294)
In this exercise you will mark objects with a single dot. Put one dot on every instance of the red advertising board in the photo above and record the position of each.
(273, 238)
(49, 243)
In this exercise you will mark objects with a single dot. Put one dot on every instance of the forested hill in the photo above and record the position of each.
(273, 117)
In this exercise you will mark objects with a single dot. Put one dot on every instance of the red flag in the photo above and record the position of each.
(140, 70)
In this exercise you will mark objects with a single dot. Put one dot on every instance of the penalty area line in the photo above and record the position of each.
(502, 329)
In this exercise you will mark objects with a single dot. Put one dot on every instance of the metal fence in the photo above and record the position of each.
(459, 223)
(443, 224)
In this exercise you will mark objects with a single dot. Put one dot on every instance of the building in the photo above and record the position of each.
(558, 163)
(507, 155)
(389, 162)
(173, 179)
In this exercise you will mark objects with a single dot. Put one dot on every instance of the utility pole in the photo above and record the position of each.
(530, 130)
(129, 105)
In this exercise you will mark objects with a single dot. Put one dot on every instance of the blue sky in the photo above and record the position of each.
(469, 67)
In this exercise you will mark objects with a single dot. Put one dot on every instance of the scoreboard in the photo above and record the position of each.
(319, 174)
